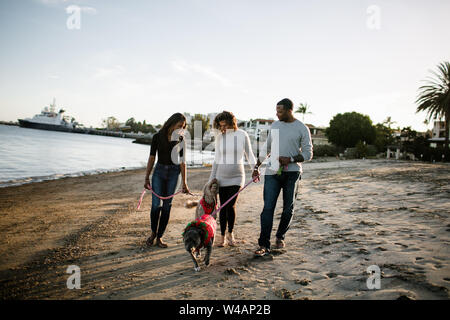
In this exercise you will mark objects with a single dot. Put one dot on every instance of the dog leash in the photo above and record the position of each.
(214, 213)
(160, 197)
(255, 179)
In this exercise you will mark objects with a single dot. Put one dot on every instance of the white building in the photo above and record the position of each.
(188, 117)
(256, 126)
(211, 117)
(437, 134)
(318, 135)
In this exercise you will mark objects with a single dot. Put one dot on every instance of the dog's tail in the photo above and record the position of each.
(191, 204)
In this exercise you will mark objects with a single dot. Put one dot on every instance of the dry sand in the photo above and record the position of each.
(348, 215)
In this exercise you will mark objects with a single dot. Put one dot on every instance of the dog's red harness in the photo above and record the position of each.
(207, 208)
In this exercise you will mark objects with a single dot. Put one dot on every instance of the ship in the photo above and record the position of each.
(49, 119)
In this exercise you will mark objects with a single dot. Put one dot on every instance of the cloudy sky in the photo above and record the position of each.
(149, 59)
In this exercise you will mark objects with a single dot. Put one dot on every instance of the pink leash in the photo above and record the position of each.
(162, 198)
(214, 213)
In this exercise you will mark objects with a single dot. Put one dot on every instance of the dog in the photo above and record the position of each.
(208, 200)
(199, 233)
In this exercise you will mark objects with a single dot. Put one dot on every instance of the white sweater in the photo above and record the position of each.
(230, 149)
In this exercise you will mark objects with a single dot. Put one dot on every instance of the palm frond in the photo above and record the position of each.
(434, 97)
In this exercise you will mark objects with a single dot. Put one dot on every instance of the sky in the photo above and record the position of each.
(150, 59)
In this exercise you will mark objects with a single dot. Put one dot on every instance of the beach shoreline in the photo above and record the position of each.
(349, 215)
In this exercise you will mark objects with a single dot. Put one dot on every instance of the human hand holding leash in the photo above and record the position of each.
(284, 161)
(255, 174)
(186, 190)
(147, 184)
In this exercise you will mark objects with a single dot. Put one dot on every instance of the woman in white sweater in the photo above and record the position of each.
(231, 146)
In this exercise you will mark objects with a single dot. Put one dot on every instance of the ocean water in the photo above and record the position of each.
(31, 155)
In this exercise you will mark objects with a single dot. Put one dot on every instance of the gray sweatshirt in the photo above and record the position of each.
(230, 150)
(287, 139)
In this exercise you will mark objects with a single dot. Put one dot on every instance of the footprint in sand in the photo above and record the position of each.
(332, 275)
(363, 251)
(303, 282)
(231, 271)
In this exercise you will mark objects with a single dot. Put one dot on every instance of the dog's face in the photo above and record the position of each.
(214, 186)
(211, 188)
(192, 239)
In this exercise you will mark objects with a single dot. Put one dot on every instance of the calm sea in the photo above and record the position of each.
(31, 155)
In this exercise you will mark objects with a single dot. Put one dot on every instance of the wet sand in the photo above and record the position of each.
(348, 216)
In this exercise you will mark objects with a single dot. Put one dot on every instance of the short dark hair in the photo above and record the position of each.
(286, 103)
(225, 116)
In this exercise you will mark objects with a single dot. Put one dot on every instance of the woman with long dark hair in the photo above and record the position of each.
(232, 145)
(168, 143)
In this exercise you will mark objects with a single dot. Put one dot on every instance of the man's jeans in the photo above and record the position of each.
(164, 182)
(273, 184)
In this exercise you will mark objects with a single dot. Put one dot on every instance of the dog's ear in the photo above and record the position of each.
(206, 188)
(213, 181)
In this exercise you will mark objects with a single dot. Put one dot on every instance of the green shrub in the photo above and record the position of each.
(325, 150)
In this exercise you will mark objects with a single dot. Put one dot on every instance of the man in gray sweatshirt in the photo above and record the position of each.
(289, 144)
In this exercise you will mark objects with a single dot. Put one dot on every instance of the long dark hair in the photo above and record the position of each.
(174, 119)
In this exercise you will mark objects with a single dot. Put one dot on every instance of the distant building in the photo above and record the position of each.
(318, 135)
(124, 127)
(437, 134)
(188, 117)
(211, 117)
(256, 126)
(262, 127)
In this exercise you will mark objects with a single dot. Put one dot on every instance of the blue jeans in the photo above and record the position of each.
(164, 182)
(273, 184)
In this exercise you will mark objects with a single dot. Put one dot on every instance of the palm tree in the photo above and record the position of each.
(434, 97)
(303, 109)
(389, 122)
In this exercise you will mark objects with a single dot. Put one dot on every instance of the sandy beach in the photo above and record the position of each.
(348, 216)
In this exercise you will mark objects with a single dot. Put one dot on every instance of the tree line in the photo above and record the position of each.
(355, 130)
(131, 125)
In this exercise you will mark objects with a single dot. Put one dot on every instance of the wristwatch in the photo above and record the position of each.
(292, 159)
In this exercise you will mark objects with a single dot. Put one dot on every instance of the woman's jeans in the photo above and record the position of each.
(273, 184)
(164, 182)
